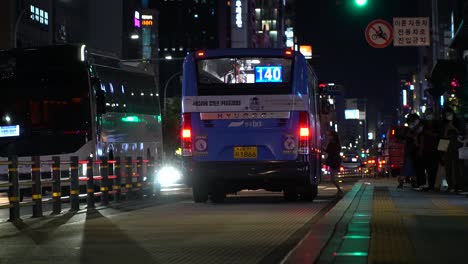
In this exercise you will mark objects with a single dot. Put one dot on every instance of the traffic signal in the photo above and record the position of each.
(447, 76)
(455, 84)
(360, 3)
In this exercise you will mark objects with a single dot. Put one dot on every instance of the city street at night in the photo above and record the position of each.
(233, 131)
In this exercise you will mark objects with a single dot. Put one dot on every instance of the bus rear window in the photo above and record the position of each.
(244, 76)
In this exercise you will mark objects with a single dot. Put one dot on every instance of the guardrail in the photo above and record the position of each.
(117, 178)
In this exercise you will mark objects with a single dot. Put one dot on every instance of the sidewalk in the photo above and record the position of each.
(377, 223)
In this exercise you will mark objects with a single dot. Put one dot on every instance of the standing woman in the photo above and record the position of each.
(334, 158)
(451, 130)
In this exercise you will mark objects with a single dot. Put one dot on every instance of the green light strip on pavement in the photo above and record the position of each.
(361, 215)
(356, 237)
(360, 222)
(350, 254)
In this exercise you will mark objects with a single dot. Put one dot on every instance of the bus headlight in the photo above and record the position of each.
(168, 176)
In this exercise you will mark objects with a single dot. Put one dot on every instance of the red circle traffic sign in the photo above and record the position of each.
(379, 33)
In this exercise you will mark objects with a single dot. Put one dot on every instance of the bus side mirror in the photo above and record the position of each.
(100, 102)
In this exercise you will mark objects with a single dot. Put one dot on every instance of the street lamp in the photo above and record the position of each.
(165, 90)
(17, 22)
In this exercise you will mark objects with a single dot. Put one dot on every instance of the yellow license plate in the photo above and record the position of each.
(245, 152)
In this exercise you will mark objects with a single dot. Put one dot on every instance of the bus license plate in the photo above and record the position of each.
(245, 152)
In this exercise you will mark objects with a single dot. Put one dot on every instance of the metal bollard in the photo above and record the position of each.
(139, 183)
(117, 181)
(74, 185)
(37, 186)
(90, 184)
(149, 178)
(13, 190)
(105, 181)
(56, 186)
(129, 180)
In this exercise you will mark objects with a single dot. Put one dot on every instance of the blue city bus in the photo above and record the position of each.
(250, 121)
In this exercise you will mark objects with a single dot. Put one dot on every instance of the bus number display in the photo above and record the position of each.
(267, 74)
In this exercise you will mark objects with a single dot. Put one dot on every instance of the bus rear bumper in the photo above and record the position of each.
(272, 175)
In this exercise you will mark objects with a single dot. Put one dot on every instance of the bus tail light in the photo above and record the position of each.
(186, 134)
(200, 54)
(304, 133)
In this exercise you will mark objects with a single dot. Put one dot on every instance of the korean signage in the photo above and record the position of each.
(147, 20)
(244, 103)
(141, 20)
(411, 31)
(239, 31)
(238, 13)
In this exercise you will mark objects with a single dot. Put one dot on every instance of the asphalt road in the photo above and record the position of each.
(251, 227)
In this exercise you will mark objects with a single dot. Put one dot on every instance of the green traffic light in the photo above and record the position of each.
(361, 2)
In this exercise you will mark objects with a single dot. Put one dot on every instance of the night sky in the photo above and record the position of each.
(335, 29)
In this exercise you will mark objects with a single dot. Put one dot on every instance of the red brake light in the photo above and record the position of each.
(200, 54)
(393, 132)
(288, 53)
(304, 124)
(304, 132)
(186, 133)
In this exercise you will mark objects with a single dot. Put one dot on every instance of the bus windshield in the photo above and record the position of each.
(45, 99)
(244, 75)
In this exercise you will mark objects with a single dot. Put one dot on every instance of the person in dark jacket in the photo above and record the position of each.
(451, 130)
(428, 151)
(334, 158)
(413, 164)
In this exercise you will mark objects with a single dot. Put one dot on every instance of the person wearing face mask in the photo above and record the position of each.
(428, 150)
(453, 166)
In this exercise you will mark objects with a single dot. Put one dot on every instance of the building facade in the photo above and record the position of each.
(441, 68)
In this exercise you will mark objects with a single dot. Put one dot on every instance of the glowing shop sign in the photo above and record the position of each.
(239, 13)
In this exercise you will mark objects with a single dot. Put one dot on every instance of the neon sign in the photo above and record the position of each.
(136, 21)
(147, 20)
(239, 14)
(147, 23)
